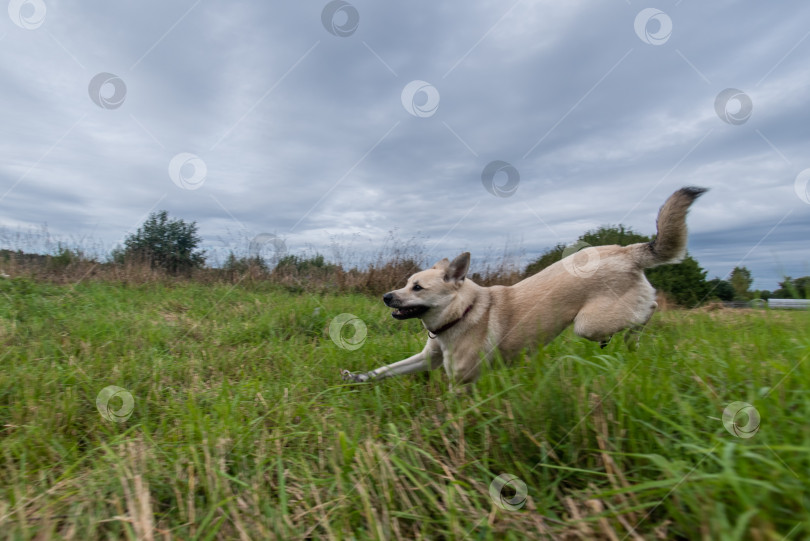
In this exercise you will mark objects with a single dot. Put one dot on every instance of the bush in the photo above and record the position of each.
(241, 265)
(793, 288)
(164, 243)
(721, 289)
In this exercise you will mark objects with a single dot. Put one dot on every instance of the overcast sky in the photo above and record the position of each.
(335, 123)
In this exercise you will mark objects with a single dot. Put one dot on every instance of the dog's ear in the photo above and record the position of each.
(443, 264)
(457, 269)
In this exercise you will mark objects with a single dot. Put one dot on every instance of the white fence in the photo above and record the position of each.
(788, 304)
(773, 304)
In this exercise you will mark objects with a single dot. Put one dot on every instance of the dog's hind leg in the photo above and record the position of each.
(599, 320)
(593, 327)
(633, 335)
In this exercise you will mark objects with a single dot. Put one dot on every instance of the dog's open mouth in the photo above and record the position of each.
(409, 312)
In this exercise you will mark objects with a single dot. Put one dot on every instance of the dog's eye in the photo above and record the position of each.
(417, 287)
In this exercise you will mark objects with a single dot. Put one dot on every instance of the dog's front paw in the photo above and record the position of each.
(355, 377)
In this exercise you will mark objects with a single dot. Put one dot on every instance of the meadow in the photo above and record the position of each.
(239, 426)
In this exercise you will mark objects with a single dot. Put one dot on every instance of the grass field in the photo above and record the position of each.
(241, 428)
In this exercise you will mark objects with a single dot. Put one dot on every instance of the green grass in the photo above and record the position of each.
(242, 428)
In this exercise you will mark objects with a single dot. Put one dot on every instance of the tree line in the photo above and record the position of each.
(173, 245)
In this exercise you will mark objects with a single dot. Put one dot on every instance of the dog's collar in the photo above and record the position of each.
(447, 326)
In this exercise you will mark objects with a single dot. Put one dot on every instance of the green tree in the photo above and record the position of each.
(720, 289)
(685, 282)
(763, 294)
(613, 234)
(793, 288)
(802, 286)
(168, 244)
(741, 281)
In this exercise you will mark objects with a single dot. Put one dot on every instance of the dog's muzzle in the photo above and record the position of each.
(403, 312)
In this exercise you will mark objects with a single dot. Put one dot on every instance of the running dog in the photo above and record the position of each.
(601, 290)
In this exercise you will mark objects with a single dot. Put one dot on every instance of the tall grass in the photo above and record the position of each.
(241, 426)
(37, 255)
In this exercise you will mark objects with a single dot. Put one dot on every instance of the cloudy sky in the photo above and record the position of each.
(469, 126)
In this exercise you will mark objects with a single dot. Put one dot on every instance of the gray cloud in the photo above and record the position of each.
(303, 133)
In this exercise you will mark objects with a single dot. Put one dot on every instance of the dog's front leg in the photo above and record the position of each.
(427, 359)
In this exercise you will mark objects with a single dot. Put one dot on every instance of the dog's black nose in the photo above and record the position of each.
(387, 298)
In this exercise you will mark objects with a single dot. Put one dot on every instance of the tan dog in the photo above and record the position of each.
(602, 290)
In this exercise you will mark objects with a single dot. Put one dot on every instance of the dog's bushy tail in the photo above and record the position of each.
(669, 244)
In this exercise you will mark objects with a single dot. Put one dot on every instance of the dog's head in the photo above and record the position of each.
(430, 291)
